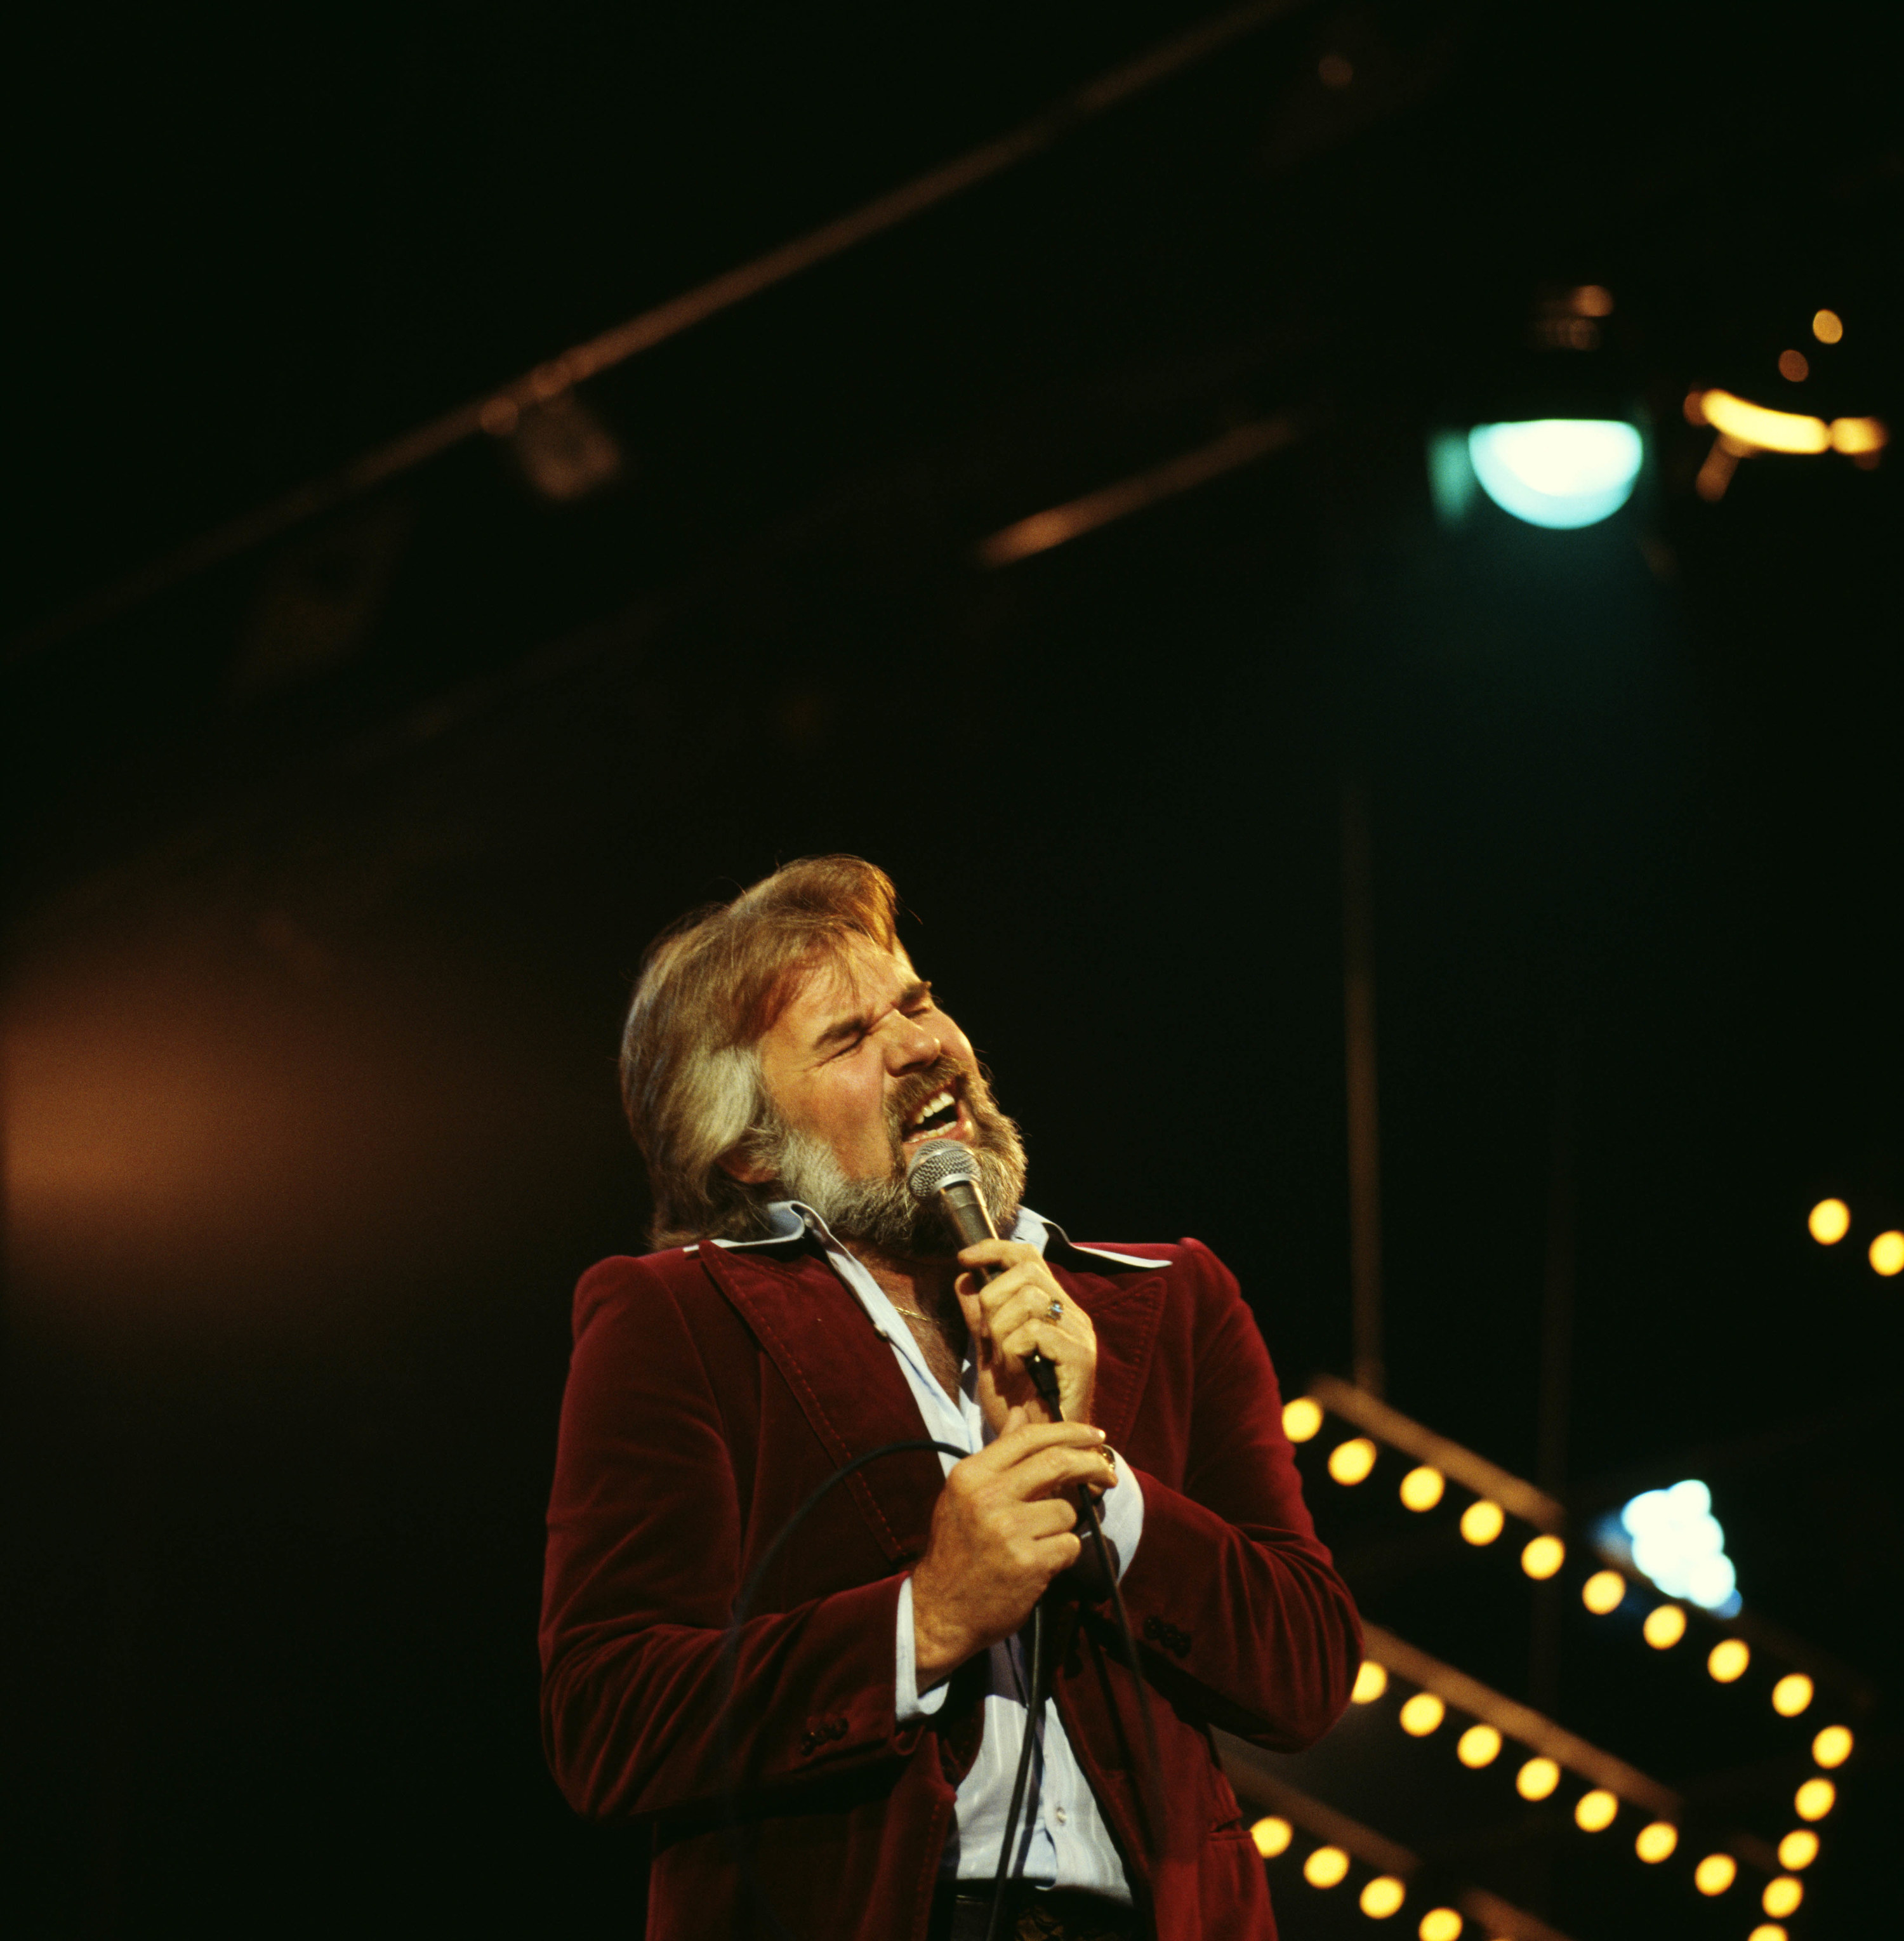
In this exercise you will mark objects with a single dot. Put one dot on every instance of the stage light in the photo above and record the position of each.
(1272, 1836)
(1656, 1842)
(1326, 1867)
(1727, 1659)
(1543, 1557)
(1350, 1462)
(1794, 366)
(1782, 1897)
(1482, 1522)
(1595, 1810)
(1827, 327)
(1797, 1850)
(1605, 1590)
(1832, 1746)
(1791, 1694)
(1665, 1625)
(1301, 1418)
(1764, 430)
(1537, 1779)
(1677, 1541)
(1371, 1681)
(1814, 1799)
(1423, 1714)
(1421, 1489)
(1382, 1896)
(1440, 1924)
(1887, 1253)
(1479, 1746)
(1858, 437)
(1715, 1873)
(1768, 1930)
(1558, 472)
(1830, 1221)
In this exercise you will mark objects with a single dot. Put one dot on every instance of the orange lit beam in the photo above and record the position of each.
(1761, 429)
(1043, 530)
(1250, 1772)
(1388, 1425)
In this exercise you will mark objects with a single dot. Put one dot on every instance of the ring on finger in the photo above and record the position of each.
(1056, 1310)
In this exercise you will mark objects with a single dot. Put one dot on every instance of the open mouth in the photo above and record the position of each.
(934, 1116)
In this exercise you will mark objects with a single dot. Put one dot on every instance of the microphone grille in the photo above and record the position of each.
(937, 1164)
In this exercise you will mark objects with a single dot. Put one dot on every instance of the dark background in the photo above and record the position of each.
(331, 862)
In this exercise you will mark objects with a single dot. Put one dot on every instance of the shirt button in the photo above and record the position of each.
(1061, 1816)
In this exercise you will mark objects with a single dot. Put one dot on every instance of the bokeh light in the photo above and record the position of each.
(1782, 1897)
(1537, 1779)
(1887, 1253)
(1814, 1799)
(1715, 1873)
(1351, 1461)
(1828, 1221)
(1543, 1557)
(1371, 1681)
(1655, 1843)
(1768, 1930)
(1423, 1714)
(1478, 1746)
(1301, 1418)
(1798, 1849)
(1421, 1488)
(1664, 1627)
(1832, 1746)
(1382, 1896)
(1727, 1659)
(1791, 1694)
(1677, 1541)
(1326, 1867)
(1272, 1836)
(1596, 1810)
(1794, 366)
(1559, 473)
(1440, 1924)
(1482, 1522)
(1828, 327)
(1605, 1590)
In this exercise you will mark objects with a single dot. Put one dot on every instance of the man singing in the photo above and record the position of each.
(782, 1061)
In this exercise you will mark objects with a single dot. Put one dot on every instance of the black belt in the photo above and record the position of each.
(964, 1913)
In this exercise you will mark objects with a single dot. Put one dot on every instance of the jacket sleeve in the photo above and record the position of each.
(643, 1569)
(1245, 1616)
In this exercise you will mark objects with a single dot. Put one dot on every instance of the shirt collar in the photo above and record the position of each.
(790, 1221)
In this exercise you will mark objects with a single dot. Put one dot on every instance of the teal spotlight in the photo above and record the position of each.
(1562, 472)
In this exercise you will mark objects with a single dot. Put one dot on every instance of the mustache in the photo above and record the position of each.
(914, 1091)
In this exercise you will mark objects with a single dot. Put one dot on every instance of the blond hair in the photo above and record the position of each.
(711, 986)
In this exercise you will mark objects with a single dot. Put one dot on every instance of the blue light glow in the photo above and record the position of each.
(1678, 1543)
(1562, 472)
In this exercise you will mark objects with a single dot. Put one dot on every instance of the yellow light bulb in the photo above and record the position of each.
(1350, 1462)
(1664, 1627)
(1537, 1779)
(1782, 1897)
(1791, 1694)
(1830, 1221)
(1715, 1873)
(1482, 1522)
(1421, 1489)
(1301, 1418)
(1887, 1253)
(1603, 1591)
(1440, 1924)
(1384, 1896)
(1832, 1746)
(1422, 1715)
(1371, 1681)
(1828, 327)
(1543, 1557)
(1727, 1659)
(1814, 1799)
(1767, 1930)
(1272, 1836)
(1326, 1867)
(1596, 1810)
(1656, 1842)
(1478, 1746)
(1797, 1850)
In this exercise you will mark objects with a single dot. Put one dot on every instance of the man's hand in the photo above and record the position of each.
(1010, 1317)
(1001, 1530)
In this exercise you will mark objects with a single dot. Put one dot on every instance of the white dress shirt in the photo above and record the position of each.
(1062, 1839)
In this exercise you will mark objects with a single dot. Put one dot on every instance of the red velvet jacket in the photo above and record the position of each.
(710, 1391)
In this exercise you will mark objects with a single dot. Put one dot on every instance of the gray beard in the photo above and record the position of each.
(881, 1213)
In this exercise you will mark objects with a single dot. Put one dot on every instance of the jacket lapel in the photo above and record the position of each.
(846, 1382)
(1125, 1311)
